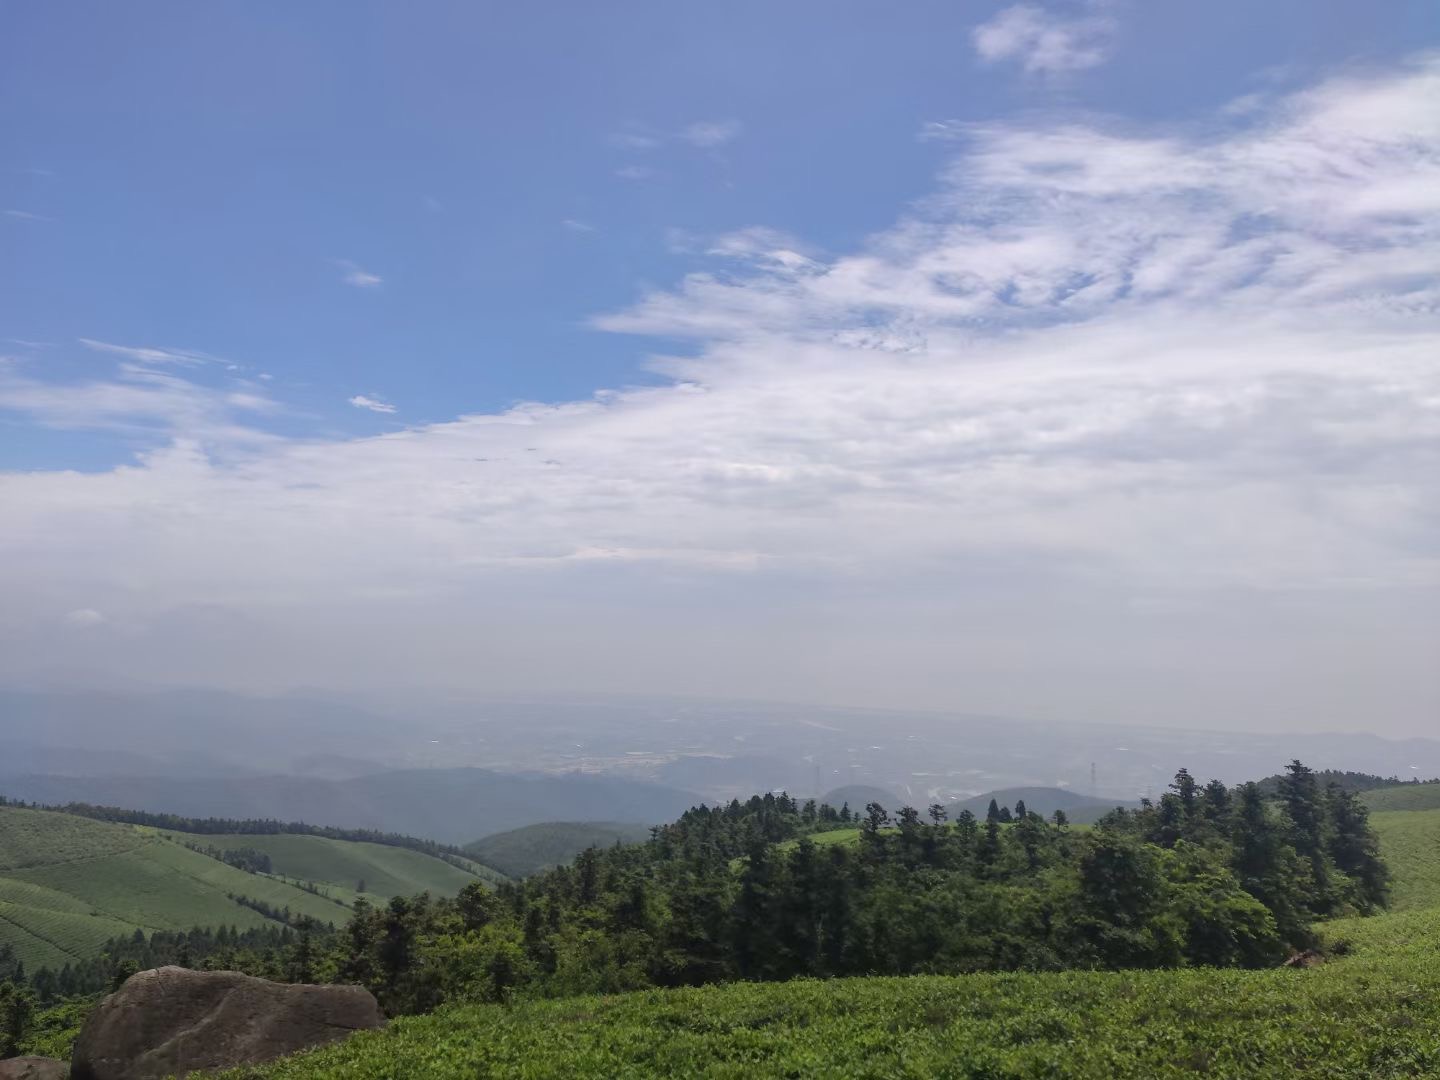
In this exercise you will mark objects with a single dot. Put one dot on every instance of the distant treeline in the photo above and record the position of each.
(1353, 782)
(449, 853)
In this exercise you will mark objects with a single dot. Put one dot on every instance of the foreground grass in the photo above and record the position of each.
(1374, 1013)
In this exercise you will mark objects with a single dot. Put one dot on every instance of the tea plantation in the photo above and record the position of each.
(69, 884)
(384, 870)
(1371, 1012)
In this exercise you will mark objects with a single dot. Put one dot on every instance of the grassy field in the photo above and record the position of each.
(1410, 840)
(1403, 797)
(1370, 1014)
(68, 884)
(385, 870)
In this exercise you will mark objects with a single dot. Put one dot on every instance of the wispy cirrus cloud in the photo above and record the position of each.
(372, 403)
(357, 276)
(1164, 400)
(151, 355)
(1043, 42)
(708, 134)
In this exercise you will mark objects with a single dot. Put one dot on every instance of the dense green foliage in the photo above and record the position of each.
(521, 852)
(1353, 782)
(743, 892)
(1371, 1014)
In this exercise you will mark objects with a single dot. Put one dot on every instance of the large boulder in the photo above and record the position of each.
(172, 1021)
(33, 1068)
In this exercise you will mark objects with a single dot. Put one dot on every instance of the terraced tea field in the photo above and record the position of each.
(384, 870)
(68, 884)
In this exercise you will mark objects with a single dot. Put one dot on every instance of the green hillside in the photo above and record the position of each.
(1371, 1012)
(1410, 840)
(1403, 797)
(524, 851)
(69, 884)
(342, 865)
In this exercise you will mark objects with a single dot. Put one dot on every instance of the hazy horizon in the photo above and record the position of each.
(960, 358)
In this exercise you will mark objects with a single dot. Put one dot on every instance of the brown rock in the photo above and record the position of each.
(171, 1021)
(33, 1068)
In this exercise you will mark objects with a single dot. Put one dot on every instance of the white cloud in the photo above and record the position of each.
(147, 354)
(143, 403)
(358, 277)
(1044, 43)
(634, 172)
(24, 215)
(707, 134)
(1160, 405)
(577, 226)
(84, 617)
(374, 404)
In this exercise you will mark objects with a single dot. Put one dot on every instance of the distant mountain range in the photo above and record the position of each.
(395, 762)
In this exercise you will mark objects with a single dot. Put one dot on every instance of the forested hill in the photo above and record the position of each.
(1205, 877)
(532, 848)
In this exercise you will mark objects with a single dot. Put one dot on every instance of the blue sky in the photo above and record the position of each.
(834, 351)
(204, 176)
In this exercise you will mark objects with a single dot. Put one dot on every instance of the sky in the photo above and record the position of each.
(1071, 360)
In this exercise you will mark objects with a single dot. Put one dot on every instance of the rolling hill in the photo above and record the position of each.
(1080, 809)
(532, 848)
(68, 884)
(452, 806)
(384, 870)
(1373, 1012)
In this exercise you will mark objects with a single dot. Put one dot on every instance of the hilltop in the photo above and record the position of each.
(520, 852)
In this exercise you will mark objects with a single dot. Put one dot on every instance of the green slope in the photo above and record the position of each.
(1403, 797)
(68, 884)
(532, 848)
(1371, 1014)
(386, 871)
(1410, 840)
